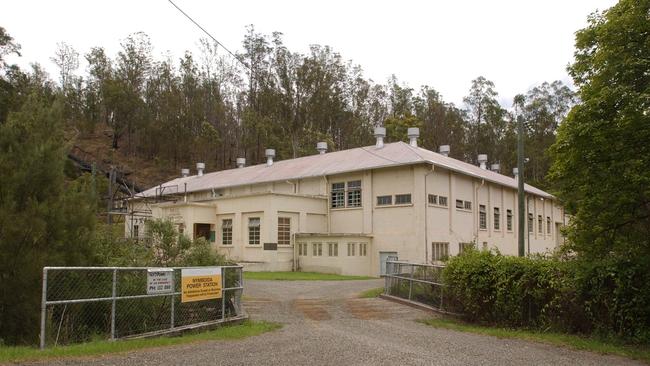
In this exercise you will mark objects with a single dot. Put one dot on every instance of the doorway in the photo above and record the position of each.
(383, 257)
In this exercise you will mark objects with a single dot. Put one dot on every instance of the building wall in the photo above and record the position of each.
(345, 260)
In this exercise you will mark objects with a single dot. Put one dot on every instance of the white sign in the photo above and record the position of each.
(160, 280)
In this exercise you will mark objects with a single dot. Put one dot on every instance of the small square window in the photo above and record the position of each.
(439, 251)
(468, 205)
(460, 204)
(433, 199)
(442, 201)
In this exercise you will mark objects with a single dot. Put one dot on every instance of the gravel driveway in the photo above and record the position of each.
(326, 324)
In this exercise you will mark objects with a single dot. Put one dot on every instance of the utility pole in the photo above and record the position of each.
(518, 102)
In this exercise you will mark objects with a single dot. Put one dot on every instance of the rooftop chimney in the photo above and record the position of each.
(482, 160)
(270, 154)
(199, 168)
(241, 162)
(380, 133)
(495, 168)
(413, 134)
(444, 150)
(321, 147)
(185, 173)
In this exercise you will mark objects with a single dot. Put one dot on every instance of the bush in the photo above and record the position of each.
(611, 297)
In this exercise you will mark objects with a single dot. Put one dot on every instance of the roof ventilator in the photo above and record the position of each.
(482, 160)
(270, 154)
(413, 134)
(200, 167)
(321, 147)
(380, 133)
(185, 173)
(444, 150)
(515, 172)
(241, 162)
(495, 168)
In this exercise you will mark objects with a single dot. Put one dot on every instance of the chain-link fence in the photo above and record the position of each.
(421, 283)
(81, 304)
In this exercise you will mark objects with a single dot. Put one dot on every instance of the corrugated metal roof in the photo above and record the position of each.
(357, 159)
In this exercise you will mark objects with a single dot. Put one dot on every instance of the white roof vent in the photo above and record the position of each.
(482, 160)
(495, 168)
(321, 147)
(185, 173)
(515, 172)
(241, 162)
(444, 150)
(200, 167)
(413, 134)
(380, 133)
(270, 154)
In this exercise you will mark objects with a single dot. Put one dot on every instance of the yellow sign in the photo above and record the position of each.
(200, 284)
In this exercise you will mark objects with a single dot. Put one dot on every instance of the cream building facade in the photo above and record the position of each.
(348, 211)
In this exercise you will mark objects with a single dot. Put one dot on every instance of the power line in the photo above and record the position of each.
(210, 35)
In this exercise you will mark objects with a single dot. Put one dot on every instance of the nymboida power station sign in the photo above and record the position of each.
(200, 284)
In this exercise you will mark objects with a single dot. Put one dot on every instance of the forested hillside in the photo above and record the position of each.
(151, 115)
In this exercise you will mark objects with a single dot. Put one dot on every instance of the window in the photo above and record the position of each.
(460, 204)
(433, 199)
(317, 249)
(351, 247)
(464, 246)
(442, 201)
(363, 249)
(333, 249)
(302, 249)
(402, 199)
(338, 195)
(284, 230)
(530, 222)
(136, 231)
(509, 220)
(384, 200)
(354, 193)
(548, 224)
(254, 230)
(468, 205)
(497, 219)
(482, 217)
(540, 224)
(439, 251)
(226, 232)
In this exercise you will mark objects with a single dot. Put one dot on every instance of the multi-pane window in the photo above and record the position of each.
(136, 231)
(548, 224)
(465, 246)
(509, 220)
(354, 193)
(253, 230)
(363, 249)
(482, 217)
(540, 224)
(468, 205)
(338, 195)
(333, 249)
(530, 222)
(226, 232)
(317, 249)
(384, 200)
(442, 201)
(302, 249)
(284, 230)
(433, 199)
(439, 251)
(460, 204)
(497, 219)
(351, 248)
(402, 199)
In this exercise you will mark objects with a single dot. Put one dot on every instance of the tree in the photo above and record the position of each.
(66, 59)
(602, 154)
(486, 122)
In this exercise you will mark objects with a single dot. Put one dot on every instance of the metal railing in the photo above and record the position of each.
(80, 304)
(419, 283)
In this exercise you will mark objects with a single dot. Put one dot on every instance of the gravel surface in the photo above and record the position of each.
(326, 324)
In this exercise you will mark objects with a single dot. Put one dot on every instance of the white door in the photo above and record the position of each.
(383, 257)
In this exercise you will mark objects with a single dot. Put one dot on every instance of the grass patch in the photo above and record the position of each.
(98, 348)
(300, 276)
(375, 292)
(608, 347)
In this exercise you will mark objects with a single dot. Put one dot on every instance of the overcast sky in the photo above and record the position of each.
(445, 44)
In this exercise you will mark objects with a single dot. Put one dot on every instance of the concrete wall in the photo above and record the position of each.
(346, 262)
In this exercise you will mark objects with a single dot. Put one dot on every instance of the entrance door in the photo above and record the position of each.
(383, 257)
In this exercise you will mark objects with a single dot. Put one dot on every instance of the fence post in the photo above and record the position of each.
(411, 281)
(171, 320)
(114, 295)
(223, 294)
(43, 307)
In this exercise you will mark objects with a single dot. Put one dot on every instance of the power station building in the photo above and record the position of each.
(348, 211)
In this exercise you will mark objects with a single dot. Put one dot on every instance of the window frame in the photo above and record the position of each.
(332, 249)
(496, 224)
(284, 231)
(548, 225)
(540, 224)
(353, 194)
(531, 222)
(254, 231)
(404, 195)
(482, 217)
(337, 195)
(439, 251)
(226, 232)
(509, 225)
(351, 249)
(390, 200)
